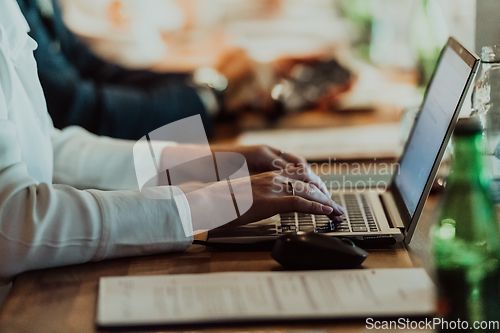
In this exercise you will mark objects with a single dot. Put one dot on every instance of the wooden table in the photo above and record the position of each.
(64, 299)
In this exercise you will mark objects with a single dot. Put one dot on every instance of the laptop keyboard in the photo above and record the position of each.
(359, 218)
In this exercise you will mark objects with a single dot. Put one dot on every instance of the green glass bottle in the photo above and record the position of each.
(466, 241)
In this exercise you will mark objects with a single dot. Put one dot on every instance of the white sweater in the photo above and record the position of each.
(43, 224)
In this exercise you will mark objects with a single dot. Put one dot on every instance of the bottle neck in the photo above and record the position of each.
(468, 158)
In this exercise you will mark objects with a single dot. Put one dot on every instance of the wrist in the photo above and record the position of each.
(211, 206)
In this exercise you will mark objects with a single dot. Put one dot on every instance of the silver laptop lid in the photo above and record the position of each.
(431, 132)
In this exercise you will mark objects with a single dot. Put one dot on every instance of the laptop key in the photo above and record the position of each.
(323, 227)
(342, 230)
(359, 229)
(306, 228)
(287, 222)
(305, 223)
(288, 227)
(343, 223)
(324, 224)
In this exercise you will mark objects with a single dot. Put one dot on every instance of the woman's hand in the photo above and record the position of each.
(273, 195)
(259, 158)
(265, 158)
(270, 195)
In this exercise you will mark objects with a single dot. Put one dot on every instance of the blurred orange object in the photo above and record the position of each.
(235, 65)
(117, 14)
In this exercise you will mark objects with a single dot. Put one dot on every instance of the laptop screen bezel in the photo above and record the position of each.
(410, 222)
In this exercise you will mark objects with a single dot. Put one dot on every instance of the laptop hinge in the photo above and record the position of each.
(391, 210)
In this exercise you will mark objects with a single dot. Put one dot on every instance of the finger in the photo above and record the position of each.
(287, 157)
(311, 191)
(294, 159)
(305, 174)
(315, 179)
(336, 218)
(301, 205)
(268, 160)
(279, 163)
(305, 189)
(299, 174)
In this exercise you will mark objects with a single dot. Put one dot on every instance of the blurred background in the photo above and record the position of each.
(277, 64)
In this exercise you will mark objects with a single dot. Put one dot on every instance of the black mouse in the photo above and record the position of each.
(316, 251)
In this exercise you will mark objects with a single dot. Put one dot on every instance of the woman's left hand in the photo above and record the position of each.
(264, 158)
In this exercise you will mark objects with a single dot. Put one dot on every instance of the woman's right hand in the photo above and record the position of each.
(270, 195)
(273, 195)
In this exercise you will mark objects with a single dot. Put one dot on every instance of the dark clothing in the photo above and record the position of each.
(104, 98)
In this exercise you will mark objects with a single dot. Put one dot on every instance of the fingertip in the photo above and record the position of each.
(322, 188)
(326, 209)
(325, 189)
(336, 218)
(338, 209)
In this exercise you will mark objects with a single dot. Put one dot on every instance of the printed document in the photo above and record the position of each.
(261, 296)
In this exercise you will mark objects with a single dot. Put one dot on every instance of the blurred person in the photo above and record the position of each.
(104, 98)
(225, 35)
(164, 35)
(52, 214)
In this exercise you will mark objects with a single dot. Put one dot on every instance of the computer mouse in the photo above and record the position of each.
(316, 251)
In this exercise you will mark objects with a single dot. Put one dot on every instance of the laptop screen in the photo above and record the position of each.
(429, 132)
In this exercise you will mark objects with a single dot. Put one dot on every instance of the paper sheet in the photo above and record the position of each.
(357, 142)
(253, 296)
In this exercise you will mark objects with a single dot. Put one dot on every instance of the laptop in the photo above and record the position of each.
(390, 216)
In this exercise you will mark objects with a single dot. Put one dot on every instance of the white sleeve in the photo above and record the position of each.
(85, 160)
(44, 225)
